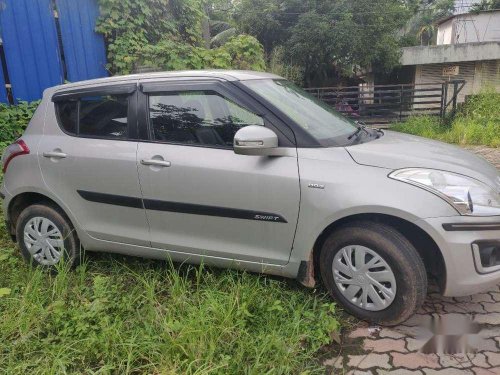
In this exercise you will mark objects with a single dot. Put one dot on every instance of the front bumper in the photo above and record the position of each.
(457, 237)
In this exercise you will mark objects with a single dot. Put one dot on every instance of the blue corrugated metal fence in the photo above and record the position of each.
(84, 50)
(32, 50)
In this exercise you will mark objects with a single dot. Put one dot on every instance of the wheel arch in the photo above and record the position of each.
(19, 202)
(420, 239)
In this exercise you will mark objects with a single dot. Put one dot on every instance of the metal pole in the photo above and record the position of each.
(445, 98)
(401, 103)
(455, 94)
(443, 101)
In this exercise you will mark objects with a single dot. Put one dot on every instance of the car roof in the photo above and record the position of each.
(227, 75)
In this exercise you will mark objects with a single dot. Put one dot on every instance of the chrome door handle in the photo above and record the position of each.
(155, 162)
(55, 154)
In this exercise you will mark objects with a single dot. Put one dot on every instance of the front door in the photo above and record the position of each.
(200, 197)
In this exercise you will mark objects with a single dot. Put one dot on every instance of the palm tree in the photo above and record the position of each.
(426, 33)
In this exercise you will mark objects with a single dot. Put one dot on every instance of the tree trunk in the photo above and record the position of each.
(205, 27)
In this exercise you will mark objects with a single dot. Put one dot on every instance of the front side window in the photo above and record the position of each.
(102, 116)
(197, 118)
(319, 119)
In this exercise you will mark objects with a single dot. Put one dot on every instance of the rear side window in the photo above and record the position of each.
(101, 116)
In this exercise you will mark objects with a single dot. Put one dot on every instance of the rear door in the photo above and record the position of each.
(88, 159)
(200, 197)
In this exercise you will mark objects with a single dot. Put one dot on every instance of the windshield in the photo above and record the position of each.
(321, 121)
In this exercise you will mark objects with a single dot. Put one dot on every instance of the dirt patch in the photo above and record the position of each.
(489, 153)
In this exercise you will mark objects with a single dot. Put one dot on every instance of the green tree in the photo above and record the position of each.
(324, 38)
(269, 20)
(486, 5)
(343, 36)
(423, 24)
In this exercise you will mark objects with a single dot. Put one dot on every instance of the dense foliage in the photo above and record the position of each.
(327, 39)
(312, 42)
(167, 35)
(486, 5)
(476, 123)
(240, 52)
(13, 121)
(116, 315)
(422, 26)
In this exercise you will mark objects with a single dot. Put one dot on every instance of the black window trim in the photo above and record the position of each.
(121, 89)
(129, 89)
(229, 92)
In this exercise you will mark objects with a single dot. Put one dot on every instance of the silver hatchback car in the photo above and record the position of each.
(245, 170)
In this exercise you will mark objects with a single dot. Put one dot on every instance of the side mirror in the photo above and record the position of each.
(255, 140)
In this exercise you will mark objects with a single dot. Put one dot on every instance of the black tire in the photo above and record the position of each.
(403, 259)
(72, 252)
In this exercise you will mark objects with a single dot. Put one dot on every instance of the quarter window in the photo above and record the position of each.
(102, 116)
(198, 118)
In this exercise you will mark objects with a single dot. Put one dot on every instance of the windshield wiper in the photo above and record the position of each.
(360, 129)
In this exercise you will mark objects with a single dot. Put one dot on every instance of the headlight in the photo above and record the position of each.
(467, 195)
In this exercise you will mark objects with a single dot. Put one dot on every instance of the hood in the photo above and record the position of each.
(397, 150)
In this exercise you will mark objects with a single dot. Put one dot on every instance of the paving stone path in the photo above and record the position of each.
(395, 350)
(374, 350)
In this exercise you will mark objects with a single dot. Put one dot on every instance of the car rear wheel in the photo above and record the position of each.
(374, 272)
(46, 237)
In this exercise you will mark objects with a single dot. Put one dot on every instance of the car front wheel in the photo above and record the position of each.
(374, 272)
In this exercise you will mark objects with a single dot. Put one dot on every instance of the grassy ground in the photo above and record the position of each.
(476, 123)
(118, 315)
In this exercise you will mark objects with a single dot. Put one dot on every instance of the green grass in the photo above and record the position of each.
(476, 123)
(118, 315)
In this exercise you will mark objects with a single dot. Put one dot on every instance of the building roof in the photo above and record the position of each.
(447, 18)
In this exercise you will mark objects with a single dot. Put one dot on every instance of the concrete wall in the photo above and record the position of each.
(450, 53)
(478, 75)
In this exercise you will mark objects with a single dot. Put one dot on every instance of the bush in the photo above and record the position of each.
(166, 35)
(240, 52)
(13, 121)
(476, 123)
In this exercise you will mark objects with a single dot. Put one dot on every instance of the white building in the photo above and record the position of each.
(469, 28)
(468, 48)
